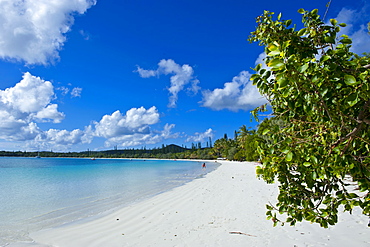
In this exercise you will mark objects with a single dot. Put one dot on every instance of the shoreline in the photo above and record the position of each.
(226, 207)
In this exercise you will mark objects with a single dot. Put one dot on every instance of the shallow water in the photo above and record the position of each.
(47, 192)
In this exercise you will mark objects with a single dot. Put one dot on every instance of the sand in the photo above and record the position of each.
(210, 211)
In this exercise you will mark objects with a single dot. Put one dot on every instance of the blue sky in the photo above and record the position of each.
(85, 74)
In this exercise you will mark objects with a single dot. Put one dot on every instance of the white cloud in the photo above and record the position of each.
(34, 31)
(181, 76)
(136, 139)
(200, 137)
(135, 121)
(85, 35)
(50, 112)
(147, 73)
(239, 94)
(29, 100)
(14, 129)
(76, 92)
(60, 140)
(64, 90)
(64, 137)
(356, 28)
(31, 94)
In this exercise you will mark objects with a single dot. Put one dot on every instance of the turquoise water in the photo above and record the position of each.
(47, 192)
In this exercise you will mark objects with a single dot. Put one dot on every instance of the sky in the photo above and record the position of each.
(99, 74)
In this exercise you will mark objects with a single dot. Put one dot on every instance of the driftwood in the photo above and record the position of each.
(242, 233)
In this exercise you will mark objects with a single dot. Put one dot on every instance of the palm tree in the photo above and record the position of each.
(244, 132)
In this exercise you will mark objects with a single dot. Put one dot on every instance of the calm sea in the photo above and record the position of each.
(47, 192)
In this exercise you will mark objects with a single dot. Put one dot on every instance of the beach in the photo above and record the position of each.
(226, 207)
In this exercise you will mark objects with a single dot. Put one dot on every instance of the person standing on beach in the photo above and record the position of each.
(204, 166)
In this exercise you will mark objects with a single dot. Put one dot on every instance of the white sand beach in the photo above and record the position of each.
(210, 211)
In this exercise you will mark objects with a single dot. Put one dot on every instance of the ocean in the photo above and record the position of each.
(41, 193)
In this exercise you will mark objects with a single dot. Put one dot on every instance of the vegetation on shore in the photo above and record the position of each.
(318, 141)
(242, 148)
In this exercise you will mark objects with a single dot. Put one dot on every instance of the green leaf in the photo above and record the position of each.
(314, 159)
(258, 67)
(307, 164)
(286, 92)
(276, 63)
(352, 195)
(273, 48)
(279, 16)
(352, 99)
(301, 11)
(314, 11)
(273, 53)
(259, 170)
(289, 156)
(324, 58)
(265, 131)
(350, 80)
(333, 22)
(283, 82)
(342, 24)
(329, 39)
(302, 32)
(303, 68)
(346, 41)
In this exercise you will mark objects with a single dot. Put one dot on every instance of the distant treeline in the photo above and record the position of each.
(165, 152)
(243, 147)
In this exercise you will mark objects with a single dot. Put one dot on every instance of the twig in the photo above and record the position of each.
(327, 9)
(242, 233)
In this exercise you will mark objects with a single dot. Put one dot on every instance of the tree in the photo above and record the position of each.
(247, 139)
(231, 152)
(250, 147)
(243, 133)
(220, 147)
(321, 92)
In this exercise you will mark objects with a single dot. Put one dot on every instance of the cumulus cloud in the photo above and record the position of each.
(29, 100)
(132, 128)
(50, 112)
(13, 129)
(65, 137)
(34, 31)
(60, 140)
(137, 139)
(356, 28)
(200, 137)
(135, 121)
(181, 76)
(239, 94)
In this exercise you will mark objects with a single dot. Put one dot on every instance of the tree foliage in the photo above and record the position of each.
(320, 91)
